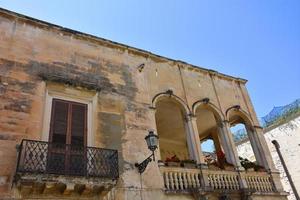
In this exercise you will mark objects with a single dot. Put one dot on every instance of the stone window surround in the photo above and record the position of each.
(70, 95)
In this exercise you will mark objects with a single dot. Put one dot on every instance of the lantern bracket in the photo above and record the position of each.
(152, 141)
(143, 165)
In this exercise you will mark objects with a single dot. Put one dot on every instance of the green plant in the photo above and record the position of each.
(248, 165)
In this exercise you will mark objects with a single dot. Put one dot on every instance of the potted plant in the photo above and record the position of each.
(247, 164)
(188, 163)
(173, 161)
(211, 162)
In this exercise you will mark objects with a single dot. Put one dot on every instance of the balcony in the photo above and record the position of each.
(201, 181)
(65, 168)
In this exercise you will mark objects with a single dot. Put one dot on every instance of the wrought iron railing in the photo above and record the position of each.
(62, 159)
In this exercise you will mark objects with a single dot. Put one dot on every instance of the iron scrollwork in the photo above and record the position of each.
(66, 159)
(143, 165)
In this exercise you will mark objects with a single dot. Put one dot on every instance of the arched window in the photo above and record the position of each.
(242, 141)
(207, 124)
(171, 129)
(244, 138)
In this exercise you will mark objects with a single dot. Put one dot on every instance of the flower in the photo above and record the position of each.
(220, 155)
(173, 159)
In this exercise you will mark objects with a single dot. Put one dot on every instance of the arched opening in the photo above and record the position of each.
(241, 128)
(171, 129)
(208, 145)
(207, 123)
(242, 141)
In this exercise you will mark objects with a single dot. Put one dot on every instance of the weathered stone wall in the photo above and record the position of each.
(288, 137)
(34, 54)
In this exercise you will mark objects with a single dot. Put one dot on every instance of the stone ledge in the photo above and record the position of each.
(30, 185)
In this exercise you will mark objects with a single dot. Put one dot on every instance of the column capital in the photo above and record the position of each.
(220, 124)
(225, 121)
(152, 108)
(190, 117)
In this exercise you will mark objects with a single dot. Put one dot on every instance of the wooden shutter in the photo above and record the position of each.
(59, 121)
(68, 122)
(78, 124)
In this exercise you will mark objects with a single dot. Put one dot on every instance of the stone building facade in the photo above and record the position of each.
(75, 109)
(288, 136)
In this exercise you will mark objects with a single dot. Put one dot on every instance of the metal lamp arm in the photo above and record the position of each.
(143, 165)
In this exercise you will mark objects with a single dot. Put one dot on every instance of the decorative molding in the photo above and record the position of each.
(225, 121)
(92, 84)
(237, 107)
(170, 94)
(152, 108)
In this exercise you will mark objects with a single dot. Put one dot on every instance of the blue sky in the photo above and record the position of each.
(256, 40)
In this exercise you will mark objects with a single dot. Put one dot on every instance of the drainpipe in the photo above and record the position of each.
(277, 146)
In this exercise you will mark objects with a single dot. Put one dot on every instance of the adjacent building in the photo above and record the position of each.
(281, 124)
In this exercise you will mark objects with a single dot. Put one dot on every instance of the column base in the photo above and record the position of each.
(202, 166)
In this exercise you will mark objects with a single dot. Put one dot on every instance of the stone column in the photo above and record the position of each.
(194, 140)
(199, 156)
(262, 148)
(189, 139)
(255, 146)
(228, 144)
(231, 152)
(204, 178)
(276, 179)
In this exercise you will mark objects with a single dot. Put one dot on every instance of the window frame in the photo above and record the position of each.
(72, 95)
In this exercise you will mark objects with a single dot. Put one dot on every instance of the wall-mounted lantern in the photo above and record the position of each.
(152, 142)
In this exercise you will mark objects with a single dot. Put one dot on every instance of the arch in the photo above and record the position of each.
(240, 115)
(239, 118)
(209, 122)
(171, 122)
(205, 104)
(170, 95)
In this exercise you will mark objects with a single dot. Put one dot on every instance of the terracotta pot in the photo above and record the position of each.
(189, 165)
(250, 169)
